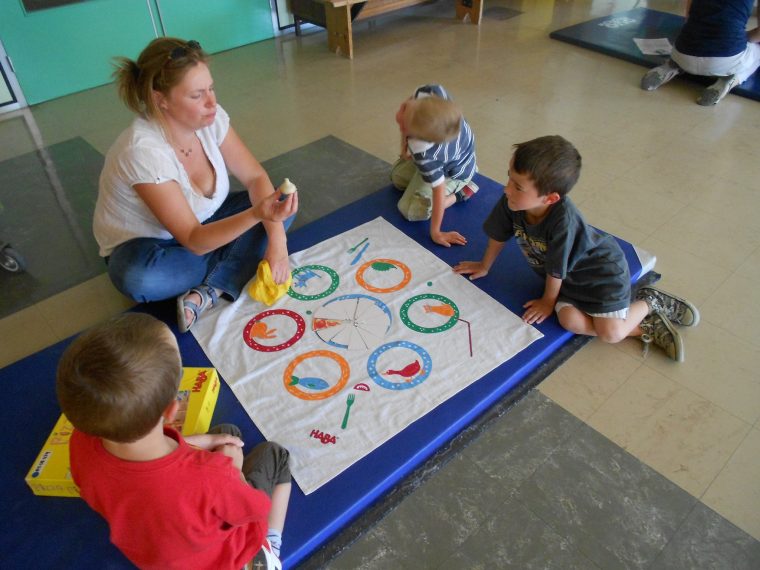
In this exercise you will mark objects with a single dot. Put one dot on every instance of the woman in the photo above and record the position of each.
(165, 220)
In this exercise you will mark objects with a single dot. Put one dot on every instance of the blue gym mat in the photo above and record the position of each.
(613, 35)
(51, 532)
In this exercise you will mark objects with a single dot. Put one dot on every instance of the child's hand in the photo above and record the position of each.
(447, 239)
(233, 451)
(537, 311)
(211, 441)
(474, 269)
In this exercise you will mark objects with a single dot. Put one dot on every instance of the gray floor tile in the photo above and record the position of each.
(329, 173)
(616, 510)
(58, 185)
(368, 553)
(707, 541)
(517, 443)
(517, 539)
(437, 518)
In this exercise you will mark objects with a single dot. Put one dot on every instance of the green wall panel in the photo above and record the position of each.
(67, 49)
(219, 24)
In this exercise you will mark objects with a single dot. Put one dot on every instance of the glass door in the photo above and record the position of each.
(11, 97)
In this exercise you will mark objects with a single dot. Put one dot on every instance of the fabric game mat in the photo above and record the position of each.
(65, 533)
(613, 35)
(374, 332)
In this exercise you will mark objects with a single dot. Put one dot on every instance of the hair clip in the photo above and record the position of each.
(182, 51)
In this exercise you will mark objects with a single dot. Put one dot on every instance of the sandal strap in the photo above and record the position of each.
(209, 299)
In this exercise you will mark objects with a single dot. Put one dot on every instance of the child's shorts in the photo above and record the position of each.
(621, 314)
(267, 466)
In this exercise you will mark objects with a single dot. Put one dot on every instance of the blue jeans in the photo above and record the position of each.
(150, 269)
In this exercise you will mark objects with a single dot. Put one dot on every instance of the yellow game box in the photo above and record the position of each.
(50, 474)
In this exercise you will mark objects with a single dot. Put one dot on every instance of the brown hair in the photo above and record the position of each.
(117, 378)
(160, 66)
(434, 119)
(552, 162)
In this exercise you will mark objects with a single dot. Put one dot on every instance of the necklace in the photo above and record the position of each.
(186, 153)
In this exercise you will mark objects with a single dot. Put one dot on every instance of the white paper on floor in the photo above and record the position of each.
(374, 333)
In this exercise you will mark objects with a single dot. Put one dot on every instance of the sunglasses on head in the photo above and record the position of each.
(181, 51)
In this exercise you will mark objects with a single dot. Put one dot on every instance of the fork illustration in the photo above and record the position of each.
(349, 403)
(353, 249)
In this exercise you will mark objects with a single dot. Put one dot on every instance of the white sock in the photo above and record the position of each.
(274, 537)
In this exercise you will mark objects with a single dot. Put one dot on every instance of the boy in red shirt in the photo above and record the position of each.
(170, 501)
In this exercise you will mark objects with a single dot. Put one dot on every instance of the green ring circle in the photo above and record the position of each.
(335, 281)
(404, 313)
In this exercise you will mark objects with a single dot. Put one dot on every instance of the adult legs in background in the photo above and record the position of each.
(730, 71)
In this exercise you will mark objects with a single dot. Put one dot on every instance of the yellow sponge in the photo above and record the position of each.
(264, 288)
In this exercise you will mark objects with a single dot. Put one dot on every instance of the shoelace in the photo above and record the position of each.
(646, 340)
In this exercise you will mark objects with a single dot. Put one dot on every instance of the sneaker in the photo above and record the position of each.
(659, 330)
(466, 192)
(675, 309)
(713, 94)
(660, 75)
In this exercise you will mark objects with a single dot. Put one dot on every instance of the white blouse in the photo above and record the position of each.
(142, 155)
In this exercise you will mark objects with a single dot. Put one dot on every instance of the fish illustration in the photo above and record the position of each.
(318, 323)
(407, 371)
(382, 266)
(311, 382)
(261, 330)
(302, 278)
(443, 309)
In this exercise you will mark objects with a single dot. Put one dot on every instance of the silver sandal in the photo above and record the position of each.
(209, 299)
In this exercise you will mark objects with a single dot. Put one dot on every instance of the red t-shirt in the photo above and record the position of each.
(189, 509)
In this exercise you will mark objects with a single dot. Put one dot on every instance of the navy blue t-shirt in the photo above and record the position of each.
(593, 268)
(715, 28)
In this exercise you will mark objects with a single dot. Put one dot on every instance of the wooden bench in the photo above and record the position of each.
(337, 16)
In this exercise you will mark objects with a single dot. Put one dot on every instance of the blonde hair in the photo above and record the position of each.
(117, 378)
(160, 66)
(434, 119)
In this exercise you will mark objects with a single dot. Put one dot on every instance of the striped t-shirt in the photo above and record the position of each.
(439, 161)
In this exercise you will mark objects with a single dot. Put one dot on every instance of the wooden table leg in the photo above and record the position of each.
(471, 8)
(339, 33)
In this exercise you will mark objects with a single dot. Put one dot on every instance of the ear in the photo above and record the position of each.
(160, 100)
(551, 198)
(171, 411)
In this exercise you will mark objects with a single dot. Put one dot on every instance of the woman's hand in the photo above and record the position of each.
(271, 209)
(277, 257)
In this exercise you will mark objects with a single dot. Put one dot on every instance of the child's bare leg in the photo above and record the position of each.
(608, 330)
(280, 500)
(576, 321)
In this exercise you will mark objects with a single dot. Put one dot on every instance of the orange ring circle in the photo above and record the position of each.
(404, 282)
(298, 393)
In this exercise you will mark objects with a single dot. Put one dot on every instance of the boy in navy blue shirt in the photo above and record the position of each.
(586, 275)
